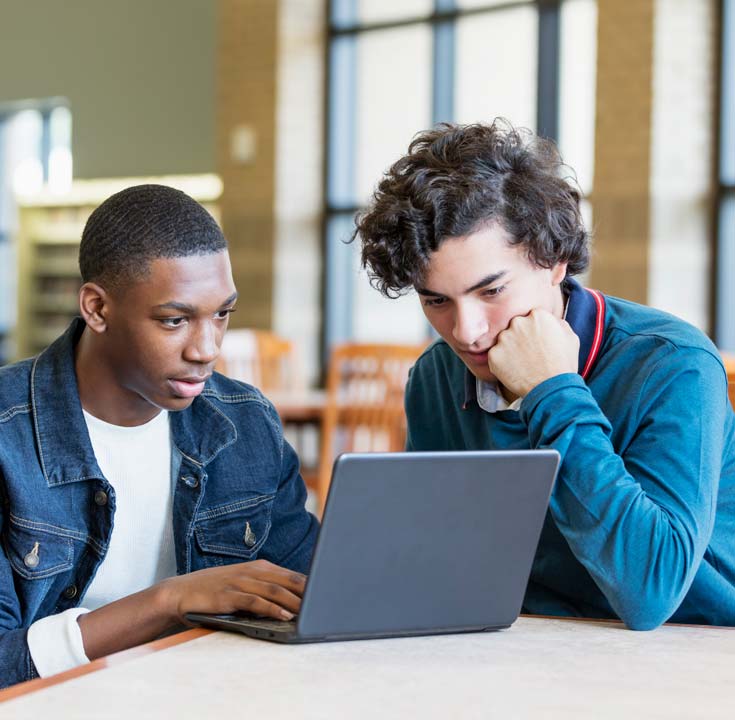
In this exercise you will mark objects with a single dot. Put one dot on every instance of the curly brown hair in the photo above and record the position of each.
(454, 180)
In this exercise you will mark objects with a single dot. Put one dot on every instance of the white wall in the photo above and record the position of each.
(682, 157)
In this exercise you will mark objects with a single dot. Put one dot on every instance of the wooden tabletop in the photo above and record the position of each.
(539, 668)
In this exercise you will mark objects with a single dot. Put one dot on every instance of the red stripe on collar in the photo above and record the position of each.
(599, 330)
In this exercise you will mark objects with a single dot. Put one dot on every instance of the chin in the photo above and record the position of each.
(177, 404)
(170, 402)
(483, 374)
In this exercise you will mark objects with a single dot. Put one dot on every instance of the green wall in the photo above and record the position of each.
(139, 76)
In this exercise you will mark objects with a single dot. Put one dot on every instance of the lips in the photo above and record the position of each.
(188, 387)
(476, 358)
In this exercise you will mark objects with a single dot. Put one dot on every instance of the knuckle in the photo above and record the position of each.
(273, 590)
(249, 602)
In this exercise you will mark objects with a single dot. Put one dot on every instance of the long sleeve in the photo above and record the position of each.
(48, 646)
(55, 642)
(639, 519)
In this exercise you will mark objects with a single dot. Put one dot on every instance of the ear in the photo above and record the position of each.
(558, 273)
(94, 302)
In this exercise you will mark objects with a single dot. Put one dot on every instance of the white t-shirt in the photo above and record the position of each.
(137, 463)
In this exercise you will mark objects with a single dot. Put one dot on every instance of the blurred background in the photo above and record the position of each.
(281, 115)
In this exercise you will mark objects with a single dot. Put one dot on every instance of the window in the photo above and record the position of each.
(725, 253)
(35, 152)
(398, 68)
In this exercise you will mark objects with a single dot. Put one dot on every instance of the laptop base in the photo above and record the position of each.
(287, 633)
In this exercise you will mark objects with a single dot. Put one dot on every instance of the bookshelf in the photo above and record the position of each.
(47, 243)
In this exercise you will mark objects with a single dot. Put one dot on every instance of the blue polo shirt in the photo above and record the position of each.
(642, 516)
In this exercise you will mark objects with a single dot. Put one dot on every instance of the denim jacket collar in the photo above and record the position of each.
(64, 448)
(585, 315)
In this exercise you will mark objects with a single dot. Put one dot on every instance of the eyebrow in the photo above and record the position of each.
(487, 280)
(183, 307)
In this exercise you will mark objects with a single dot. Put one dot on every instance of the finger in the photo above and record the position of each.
(269, 591)
(268, 572)
(257, 605)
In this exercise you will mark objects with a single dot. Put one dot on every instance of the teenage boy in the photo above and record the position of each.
(480, 221)
(137, 484)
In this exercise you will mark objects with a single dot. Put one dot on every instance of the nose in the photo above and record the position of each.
(470, 324)
(204, 343)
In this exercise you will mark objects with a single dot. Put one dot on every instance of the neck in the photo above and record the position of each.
(560, 302)
(100, 392)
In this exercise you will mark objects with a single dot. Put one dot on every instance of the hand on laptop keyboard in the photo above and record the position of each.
(257, 587)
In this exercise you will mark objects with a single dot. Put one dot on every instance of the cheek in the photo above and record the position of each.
(441, 321)
(500, 315)
(153, 354)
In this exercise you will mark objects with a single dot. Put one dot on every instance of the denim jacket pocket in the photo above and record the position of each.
(35, 550)
(237, 530)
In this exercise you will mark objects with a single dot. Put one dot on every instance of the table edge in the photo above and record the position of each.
(29, 686)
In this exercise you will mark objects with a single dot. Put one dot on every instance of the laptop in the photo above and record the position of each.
(418, 543)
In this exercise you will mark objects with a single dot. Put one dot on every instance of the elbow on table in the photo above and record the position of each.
(650, 602)
(644, 621)
(648, 615)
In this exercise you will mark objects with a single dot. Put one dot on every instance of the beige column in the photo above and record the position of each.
(246, 118)
(621, 188)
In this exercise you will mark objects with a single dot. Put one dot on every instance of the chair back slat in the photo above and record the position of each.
(364, 408)
(261, 358)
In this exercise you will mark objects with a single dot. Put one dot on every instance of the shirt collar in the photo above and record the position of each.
(585, 313)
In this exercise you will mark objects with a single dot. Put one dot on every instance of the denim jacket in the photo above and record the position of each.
(231, 469)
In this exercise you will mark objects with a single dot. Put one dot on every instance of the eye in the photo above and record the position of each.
(493, 292)
(434, 302)
(223, 314)
(173, 322)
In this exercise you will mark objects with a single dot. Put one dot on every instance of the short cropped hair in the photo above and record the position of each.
(141, 224)
(456, 179)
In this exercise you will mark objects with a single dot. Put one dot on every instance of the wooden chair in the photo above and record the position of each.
(364, 406)
(269, 362)
(261, 358)
(729, 361)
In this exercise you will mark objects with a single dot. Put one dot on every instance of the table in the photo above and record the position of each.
(299, 407)
(539, 668)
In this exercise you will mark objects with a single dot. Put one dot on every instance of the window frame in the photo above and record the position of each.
(340, 110)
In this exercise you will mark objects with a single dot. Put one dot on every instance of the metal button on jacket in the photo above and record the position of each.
(70, 592)
(100, 497)
(31, 559)
(249, 537)
(192, 482)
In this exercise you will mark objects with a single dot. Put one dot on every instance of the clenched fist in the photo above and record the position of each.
(534, 348)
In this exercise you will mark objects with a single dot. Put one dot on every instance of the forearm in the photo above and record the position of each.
(130, 621)
(640, 521)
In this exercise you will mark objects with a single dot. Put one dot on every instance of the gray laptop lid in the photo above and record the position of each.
(426, 542)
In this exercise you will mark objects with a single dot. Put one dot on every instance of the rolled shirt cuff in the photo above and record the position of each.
(55, 642)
